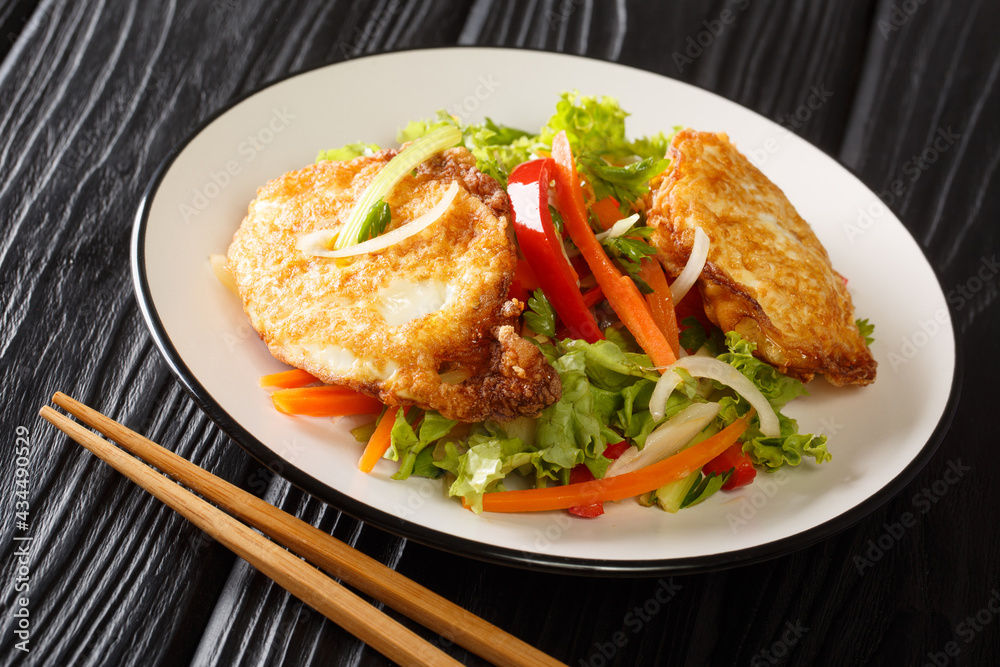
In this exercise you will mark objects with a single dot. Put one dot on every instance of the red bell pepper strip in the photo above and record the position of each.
(526, 276)
(581, 473)
(615, 450)
(692, 306)
(622, 294)
(578, 475)
(593, 296)
(733, 459)
(528, 188)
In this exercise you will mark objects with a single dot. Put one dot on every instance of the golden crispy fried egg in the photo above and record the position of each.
(425, 321)
(767, 276)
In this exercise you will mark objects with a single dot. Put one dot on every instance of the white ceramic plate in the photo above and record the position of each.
(880, 436)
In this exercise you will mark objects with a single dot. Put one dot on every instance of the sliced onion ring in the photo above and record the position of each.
(315, 243)
(720, 371)
(667, 439)
(619, 228)
(695, 264)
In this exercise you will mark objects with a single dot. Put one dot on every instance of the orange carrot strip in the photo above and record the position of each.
(287, 379)
(325, 401)
(607, 211)
(661, 304)
(380, 441)
(622, 294)
(622, 486)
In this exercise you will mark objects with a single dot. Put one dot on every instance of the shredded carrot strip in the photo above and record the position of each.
(607, 212)
(661, 304)
(380, 441)
(325, 401)
(287, 379)
(622, 294)
(627, 485)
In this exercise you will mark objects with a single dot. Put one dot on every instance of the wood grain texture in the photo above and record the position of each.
(93, 95)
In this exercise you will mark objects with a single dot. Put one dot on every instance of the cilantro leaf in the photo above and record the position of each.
(626, 183)
(630, 249)
(541, 317)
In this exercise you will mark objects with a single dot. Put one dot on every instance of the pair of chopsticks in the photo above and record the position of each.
(287, 569)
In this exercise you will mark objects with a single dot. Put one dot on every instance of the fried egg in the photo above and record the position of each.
(767, 276)
(423, 322)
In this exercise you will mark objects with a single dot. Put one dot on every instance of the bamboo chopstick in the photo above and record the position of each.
(300, 579)
(351, 566)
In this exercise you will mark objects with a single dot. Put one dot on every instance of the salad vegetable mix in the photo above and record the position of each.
(656, 403)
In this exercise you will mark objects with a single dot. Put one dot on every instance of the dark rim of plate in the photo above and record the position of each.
(452, 543)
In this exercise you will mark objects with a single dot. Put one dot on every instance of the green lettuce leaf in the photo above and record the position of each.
(777, 388)
(486, 461)
(791, 446)
(348, 152)
(408, 445)
(596, 126)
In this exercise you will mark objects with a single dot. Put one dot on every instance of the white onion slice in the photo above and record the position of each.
(720, 371)
(667, 439)
(693, 268)
(315, 243)
(619, 228)
(220, 267)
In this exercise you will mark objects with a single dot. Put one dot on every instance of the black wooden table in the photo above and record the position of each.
(93, 95)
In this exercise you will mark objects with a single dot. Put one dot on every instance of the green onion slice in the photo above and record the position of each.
(395, 171)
